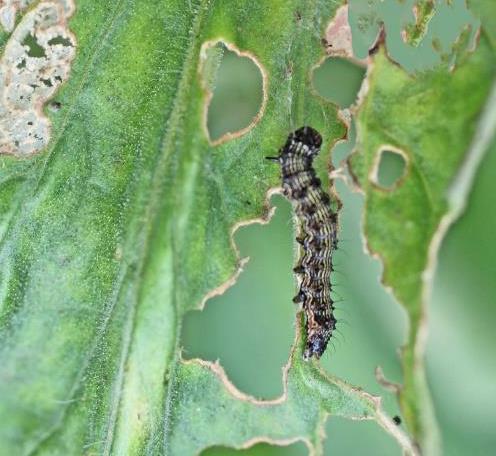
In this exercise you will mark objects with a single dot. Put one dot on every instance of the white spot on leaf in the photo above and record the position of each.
(35, 63)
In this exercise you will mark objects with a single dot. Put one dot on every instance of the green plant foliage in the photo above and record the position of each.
(309, 397)
(123, 224)
(434, 125)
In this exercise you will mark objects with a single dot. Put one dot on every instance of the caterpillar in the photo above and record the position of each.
(316, 234)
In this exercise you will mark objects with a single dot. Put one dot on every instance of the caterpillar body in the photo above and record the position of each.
(316, 234)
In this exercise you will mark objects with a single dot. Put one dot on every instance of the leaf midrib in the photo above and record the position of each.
(173, 125)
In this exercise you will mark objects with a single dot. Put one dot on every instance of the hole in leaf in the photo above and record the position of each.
(250, 328)
(358, 437)
(35, 50)
(338, 80)
(391, 168)
(236, 84)
(60, 40)
(261, 449)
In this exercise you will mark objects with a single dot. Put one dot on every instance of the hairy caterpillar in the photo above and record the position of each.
(317, 235)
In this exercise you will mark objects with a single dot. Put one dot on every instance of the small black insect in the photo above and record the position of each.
(317, 236)
(397, 420)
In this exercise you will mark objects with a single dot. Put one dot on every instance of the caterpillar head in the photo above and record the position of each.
(304, 142)
(308, 136)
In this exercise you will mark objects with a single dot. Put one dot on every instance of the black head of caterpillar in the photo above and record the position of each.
(317, 235)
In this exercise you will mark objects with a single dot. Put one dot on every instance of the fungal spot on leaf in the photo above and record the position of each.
(35, 62)
(390, 168)
(338, 80)
(265, 449)
(250, 328)
(235, 87)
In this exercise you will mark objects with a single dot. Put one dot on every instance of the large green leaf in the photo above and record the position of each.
(123, 224)
(442, 122)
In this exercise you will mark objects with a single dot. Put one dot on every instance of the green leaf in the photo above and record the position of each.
(239, 420)
(442, 122)
(123, 223)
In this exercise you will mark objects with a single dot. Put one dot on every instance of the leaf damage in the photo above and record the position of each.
(404, 228)
(36, 61)
(210, 56)
(305, 385)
